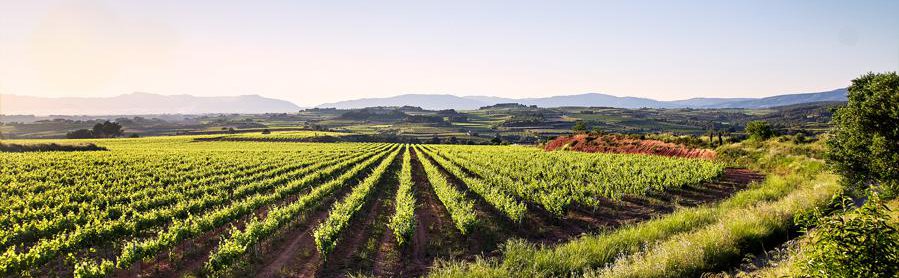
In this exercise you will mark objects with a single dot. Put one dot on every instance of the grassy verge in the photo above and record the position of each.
(720, 245)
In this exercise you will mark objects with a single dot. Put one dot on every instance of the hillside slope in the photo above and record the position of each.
(142, 104)
(445, 101)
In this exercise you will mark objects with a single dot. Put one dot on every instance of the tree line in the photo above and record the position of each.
(105, 129)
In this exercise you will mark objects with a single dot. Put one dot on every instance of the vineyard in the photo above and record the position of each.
(174, 206)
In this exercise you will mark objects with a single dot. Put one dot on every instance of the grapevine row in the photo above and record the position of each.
(557, 179)
(59, 221)
(192, 227)
(239, 241)
(342, 212)
(44, 250)
(498, 198)
(403, 221)
(461, 209)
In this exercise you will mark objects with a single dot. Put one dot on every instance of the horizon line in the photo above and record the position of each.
(422, 94)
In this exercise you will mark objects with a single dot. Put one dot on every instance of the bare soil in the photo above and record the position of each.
(623, 144)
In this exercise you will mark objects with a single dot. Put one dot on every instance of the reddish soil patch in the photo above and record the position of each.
(387, 261)
(623, 144)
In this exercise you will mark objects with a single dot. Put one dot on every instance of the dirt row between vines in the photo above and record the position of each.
(369, 247)
(295, 254)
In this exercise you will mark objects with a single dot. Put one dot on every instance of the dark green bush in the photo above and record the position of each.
(860, 243)
(759, 130)
(49, 147)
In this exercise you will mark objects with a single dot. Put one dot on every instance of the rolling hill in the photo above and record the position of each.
(446, 101)
(431, 102)
(146, 103)
(142, 104)
(784, 100)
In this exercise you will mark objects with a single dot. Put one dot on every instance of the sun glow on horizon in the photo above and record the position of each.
(314, 53)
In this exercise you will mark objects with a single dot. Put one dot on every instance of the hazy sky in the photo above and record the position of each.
(322, 51)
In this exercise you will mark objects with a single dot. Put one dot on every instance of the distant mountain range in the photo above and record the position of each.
(591, 99)
(142, 104)
(146, 103)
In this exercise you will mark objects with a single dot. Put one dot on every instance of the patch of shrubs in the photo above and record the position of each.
(101, 130)
(859, 243)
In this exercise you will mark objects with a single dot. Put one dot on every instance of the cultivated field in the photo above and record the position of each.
(172, 206)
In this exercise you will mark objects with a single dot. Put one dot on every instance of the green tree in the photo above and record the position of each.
(759, 130)
(864, 142)
(80, 134)
(108, 129)
(579, 127)
(497, 140)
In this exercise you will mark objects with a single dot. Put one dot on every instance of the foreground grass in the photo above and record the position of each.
(721, 244)
(687, 241)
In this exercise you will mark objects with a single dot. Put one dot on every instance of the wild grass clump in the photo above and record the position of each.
(775, 157)
(722, 244)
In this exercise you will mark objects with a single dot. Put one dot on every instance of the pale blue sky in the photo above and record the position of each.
(314, 52)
